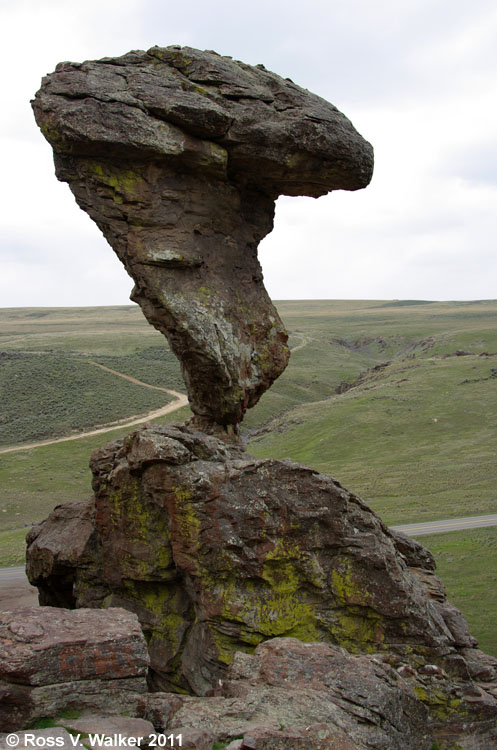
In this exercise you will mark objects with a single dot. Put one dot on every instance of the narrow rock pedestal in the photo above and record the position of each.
(178, 155)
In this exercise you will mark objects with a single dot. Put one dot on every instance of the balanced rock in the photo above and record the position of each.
(216, 552)
(52, 659)
(178, 156)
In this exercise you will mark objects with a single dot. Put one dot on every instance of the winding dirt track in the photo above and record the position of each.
(304, 341)
(181, 400)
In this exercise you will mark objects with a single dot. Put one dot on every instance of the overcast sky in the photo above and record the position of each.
(418, 78)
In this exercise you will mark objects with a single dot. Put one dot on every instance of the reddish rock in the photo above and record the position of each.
(216, 551)
(52, 658)
(64, 543)
(46, 645)
(192, 739)
(314, 737)
(132, 732)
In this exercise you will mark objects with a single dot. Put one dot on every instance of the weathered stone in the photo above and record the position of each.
(193, 739)
(21, 704)
(217, 552)
(482, 667)
(221, 551)
(178, 155)
(306, 693)
(311, 684)
(52, 659)
(314, 737)
(64, 543)
(415, 555)
(225, 718)
(313, 695)
(47, 645)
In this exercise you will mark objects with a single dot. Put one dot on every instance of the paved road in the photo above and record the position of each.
(453, 524)
(14, 575)
(15, 590)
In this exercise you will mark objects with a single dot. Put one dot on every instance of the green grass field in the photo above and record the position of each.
(417, 437)
(396, 399)
(466, 563)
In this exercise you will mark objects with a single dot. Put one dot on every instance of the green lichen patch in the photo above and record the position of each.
(137, 523)
(359, 630)
(184, 518)
(442, 705)
(226, 647)
(275, 604)
(125, 183)
(52, 133)
(348, 589)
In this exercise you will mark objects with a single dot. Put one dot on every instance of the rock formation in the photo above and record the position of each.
(274, 603)
(54, 659)
(217, 552)
(178, 156)
(290, 694)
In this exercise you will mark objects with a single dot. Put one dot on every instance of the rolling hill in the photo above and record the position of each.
(396, 399)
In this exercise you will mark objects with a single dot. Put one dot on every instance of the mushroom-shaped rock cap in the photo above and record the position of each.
(178, 155)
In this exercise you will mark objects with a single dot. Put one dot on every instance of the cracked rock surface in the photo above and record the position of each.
(53, 659)
(178, 156)
(218, 552)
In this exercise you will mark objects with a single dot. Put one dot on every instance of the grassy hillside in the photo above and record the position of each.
(49, 395)
(416, 438)
(34, 481)
(466, 563)
(398, 400)
(105, 330)
(50, 385)
(416, 434)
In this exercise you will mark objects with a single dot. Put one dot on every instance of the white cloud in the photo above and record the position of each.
(417, 78)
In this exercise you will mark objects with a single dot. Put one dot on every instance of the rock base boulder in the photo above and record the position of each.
(217, 552)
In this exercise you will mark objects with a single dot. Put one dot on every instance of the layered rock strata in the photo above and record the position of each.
(304, 695)
(217, 552)
(178, 156)
(55, 659)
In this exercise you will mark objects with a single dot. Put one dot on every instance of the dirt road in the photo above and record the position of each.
(304, 341)
(181, 400)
